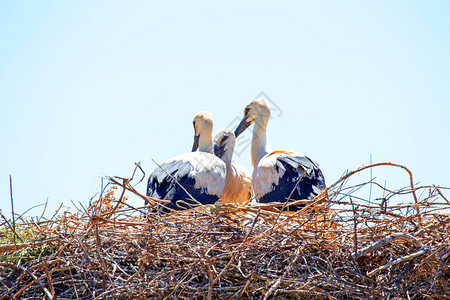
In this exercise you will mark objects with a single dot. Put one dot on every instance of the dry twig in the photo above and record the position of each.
(341, 245)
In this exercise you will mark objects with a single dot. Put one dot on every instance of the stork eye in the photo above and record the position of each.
(246, 110)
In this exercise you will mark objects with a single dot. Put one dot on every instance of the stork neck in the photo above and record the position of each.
(259, 143)
(227, 156)
(205, 140)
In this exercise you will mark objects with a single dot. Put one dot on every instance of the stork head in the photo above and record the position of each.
(224, 142)
(256, 109)
(203, 124)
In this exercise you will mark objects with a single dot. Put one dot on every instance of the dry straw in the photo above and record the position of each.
(342, 245)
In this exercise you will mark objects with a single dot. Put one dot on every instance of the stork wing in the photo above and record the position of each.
(195, 175)
(282, 175)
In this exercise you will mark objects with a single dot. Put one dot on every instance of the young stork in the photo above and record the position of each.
(238, 180)
(278, 176)
(199, 175)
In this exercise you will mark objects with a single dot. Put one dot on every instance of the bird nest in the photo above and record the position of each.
(341, 245)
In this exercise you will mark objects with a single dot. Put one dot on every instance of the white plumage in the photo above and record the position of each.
(238, 179)
(278, 176)
(199, 175)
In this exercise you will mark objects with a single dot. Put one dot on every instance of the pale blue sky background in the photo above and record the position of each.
(87, 88)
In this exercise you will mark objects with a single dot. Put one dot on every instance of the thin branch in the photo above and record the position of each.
(12, 228)
(397, 261)
(12, 209)
(378, 244)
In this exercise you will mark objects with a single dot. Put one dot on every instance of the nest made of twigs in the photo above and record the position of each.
(338, 246)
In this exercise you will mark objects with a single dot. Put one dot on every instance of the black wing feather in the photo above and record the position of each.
(161, 185)
(302, 180)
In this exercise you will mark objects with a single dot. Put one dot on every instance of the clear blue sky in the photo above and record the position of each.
(87, 88)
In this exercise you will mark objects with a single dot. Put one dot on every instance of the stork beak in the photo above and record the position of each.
(196, 140)
(242, 126)
(219, 150)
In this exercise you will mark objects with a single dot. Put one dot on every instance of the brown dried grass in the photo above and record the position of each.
(340, 246)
